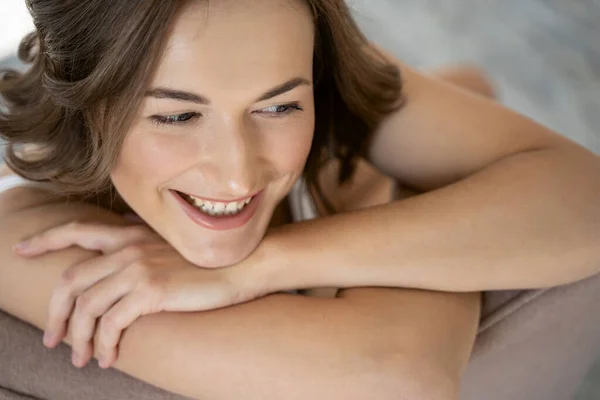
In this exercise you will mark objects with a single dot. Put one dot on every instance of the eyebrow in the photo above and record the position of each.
(166, 93)
(283, 88)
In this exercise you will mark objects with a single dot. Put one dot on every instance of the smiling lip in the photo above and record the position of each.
(219, 200)
(219, 223)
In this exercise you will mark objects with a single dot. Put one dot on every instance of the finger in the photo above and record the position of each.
(74, 282)
(112, 324)
(98, 237)
(89, 306)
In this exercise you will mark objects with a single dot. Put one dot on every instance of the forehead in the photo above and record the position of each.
(233, 44)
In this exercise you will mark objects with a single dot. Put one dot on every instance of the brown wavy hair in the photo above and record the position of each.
(91, 63)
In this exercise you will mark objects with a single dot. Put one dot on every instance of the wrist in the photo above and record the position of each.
(287, 260)
(271, 265)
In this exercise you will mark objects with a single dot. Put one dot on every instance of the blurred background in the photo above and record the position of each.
(544, 55)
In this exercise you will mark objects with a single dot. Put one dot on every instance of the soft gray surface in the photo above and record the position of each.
(543, 54)
(590, 390)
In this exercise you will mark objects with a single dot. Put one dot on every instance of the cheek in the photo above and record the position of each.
(289, 148)
(150, 158)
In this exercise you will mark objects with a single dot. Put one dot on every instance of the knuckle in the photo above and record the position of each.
(68, 278)
(108, 323)
(84, 304)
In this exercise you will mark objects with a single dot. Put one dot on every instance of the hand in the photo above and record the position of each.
(136, 273)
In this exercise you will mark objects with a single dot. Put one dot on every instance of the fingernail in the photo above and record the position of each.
(22, 246)
(76, 359)
(48, 338)
(102, 361)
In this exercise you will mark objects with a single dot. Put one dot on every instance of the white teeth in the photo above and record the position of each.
(219, 207)
(231, 208)
(215, 208)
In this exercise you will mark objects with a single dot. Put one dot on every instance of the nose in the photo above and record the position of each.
(236, 159)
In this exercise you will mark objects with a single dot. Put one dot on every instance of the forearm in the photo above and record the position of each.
(520, 223)
(280, 346)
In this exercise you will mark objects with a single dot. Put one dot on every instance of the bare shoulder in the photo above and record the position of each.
(21, 198)
(27, 210)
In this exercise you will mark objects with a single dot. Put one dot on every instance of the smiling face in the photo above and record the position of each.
(225, 129)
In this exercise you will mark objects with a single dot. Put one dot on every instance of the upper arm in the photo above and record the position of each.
(444, 133)
(370, 341)
(433, 332)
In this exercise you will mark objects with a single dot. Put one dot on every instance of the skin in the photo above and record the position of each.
(234, 146)
(365, 338)
(377, 342)
(506, 204)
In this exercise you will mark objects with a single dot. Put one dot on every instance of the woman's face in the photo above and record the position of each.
(225, 129)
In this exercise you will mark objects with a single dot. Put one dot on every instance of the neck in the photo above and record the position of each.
(282, 214)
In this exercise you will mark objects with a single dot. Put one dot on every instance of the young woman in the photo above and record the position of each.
(215, 122)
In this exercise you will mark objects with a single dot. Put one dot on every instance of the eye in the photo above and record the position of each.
(177, 119)
(280, 110)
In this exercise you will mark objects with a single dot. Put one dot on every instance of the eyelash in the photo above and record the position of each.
(288, 109)
(174, 119)
(181, 119)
